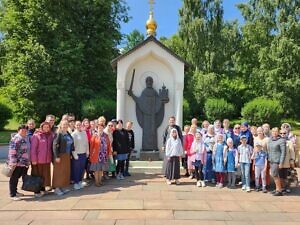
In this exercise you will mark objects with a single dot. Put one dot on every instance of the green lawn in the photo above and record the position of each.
(5, 136)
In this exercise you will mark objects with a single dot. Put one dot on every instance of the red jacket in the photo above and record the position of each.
(188, 143)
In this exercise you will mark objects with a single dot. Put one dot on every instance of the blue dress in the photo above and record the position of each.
(209, 173)
(219, 159)
(231, 160)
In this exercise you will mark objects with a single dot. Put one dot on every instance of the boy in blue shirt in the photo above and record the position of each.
(260, 161)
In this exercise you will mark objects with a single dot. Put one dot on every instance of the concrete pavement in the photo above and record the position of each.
(146, 199)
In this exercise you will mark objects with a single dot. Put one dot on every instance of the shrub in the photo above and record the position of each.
(5, 115)
(99, 106)
(262, 110)
(215, 108)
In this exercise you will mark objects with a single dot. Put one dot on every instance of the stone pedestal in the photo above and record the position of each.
(149, 156)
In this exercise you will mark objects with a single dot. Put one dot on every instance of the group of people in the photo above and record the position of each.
(74, 148)
(216, 153)
(212, 153)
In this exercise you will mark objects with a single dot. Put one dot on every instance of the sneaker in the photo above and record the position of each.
(186, 174)
(177, 182)
(191, 176)
(106, 177)
(169, 182)
(66, 190)
(264, 190)
(118, 177)
(220, 185)
(15, 198)
(122, 177)
(257, 189)
(198, 183)
(203, 183)
(213, 181)
(243, 187)
(83, 184)
(127, 174)
(77, 186)
(18, 194)
(278, 193)
(38, 195)
(58, 192)
(248, 189)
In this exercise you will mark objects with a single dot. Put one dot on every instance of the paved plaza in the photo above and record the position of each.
(145, 198)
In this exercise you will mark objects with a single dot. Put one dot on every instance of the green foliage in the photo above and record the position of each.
(5, 115)
(218, 109)
(133, 39)
(99, 106)
(57, 55)
(263, 110)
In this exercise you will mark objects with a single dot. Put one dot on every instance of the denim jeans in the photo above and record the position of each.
(245, 168)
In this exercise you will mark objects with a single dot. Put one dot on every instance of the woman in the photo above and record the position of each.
(18, 158)
(63, 145)
(187, 147)
(121, 148)
(41, 155)
(81, 151)
(100, 151)
(261, 138)
(236, 135)
(209, 142)
(174, 151)
(276, 156)
(111, 163)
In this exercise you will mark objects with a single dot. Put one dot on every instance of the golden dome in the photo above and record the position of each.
(151, 25)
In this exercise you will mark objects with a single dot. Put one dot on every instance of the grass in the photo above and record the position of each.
(11, 127)
(5, 136)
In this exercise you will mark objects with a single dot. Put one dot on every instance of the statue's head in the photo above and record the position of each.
(149, 82)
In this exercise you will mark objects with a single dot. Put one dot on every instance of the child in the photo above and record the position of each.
(219, 159)
(232, 160)
(245, 152)
(260, 161)
(174, 151)
(200, 158)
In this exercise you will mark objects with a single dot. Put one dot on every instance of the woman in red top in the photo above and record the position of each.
(187, 147)
(100, 150)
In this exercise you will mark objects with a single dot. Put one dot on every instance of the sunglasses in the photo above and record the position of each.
(237, 128)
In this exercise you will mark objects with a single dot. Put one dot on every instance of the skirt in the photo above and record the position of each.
(62, 171)
(42, 170)
(99, 166)
(173, 168)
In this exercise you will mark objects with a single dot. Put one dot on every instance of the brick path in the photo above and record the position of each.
(146, 199)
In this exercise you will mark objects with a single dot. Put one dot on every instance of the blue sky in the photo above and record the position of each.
(166, 15)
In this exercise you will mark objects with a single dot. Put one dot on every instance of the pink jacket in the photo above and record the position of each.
(41, 147)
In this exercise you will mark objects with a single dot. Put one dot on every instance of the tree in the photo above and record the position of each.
(209, 44)
(57, 55)
(132, 39)
(270, 51)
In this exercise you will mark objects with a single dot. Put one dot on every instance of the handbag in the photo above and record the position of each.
(7, 170)
(32, 183)
(111, 165)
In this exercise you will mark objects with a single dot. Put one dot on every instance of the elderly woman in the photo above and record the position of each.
(18, 158)
(41, 155)
(276, 156)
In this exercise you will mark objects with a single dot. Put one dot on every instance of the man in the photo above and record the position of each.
(168, 129)
(166, 136)
(131, 146)
(51, 120)
(194, 121)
